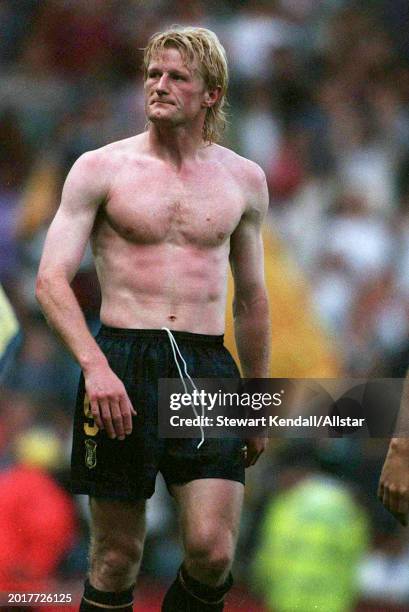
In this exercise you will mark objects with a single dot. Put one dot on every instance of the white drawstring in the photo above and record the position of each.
(175, 348)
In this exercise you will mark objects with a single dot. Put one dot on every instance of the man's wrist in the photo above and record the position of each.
(89, 363)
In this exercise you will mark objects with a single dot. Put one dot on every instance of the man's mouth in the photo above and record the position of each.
(162, 102)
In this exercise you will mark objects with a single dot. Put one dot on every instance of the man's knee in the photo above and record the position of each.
(211, 552)
(117, 536)
(115, 562)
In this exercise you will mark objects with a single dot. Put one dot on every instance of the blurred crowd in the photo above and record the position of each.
(319, 97)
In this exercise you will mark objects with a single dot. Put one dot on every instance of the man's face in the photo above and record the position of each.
(175, 93)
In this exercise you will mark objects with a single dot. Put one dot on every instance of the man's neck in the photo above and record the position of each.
(175, 144)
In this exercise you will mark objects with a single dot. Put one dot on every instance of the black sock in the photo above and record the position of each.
(187, 594)
(93, 599)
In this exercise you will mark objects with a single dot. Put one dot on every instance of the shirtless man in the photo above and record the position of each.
(165, 210)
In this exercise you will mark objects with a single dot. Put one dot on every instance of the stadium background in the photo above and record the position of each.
(319, 97)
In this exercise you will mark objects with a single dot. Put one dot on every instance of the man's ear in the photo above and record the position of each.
(211, 97)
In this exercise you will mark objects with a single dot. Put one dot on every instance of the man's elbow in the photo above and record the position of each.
(42, 287)
(46, 283)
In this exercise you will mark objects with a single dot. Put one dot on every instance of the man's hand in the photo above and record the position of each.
(254, 448)
(393, 490)
(110, 405)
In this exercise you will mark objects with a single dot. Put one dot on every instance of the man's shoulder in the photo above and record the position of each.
(247, 172)
(94, 171)
(249, 176)
(113, 152)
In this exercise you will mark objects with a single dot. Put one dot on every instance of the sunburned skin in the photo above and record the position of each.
(161, 240)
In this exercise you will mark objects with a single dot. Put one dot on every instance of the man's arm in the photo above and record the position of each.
(393, 488)
(250, 307)
(83, 193)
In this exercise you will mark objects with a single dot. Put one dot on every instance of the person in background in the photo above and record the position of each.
(38, 523)
(312, 537)
(393, 490)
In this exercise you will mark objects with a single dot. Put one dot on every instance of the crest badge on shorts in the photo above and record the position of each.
(90, 453)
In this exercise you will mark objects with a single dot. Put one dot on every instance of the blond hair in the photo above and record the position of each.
(202, 45)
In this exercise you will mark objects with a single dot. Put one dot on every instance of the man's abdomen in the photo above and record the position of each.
(183, 288)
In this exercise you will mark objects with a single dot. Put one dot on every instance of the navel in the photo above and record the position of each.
(172, 318)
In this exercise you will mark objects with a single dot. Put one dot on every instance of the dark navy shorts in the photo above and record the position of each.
(127, 469)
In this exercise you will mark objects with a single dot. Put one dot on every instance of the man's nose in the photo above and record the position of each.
(162, 85)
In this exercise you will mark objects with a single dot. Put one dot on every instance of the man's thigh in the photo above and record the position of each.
(116, 524)
(209, 510)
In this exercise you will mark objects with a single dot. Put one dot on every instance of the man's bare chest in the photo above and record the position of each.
(199, 210)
